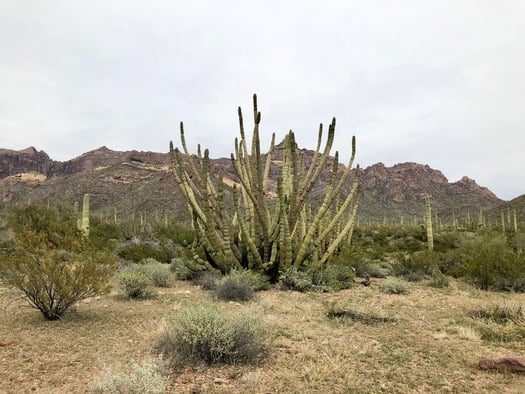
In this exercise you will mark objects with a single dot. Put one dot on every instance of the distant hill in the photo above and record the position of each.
(137, 183)
(400, 190)
(507, 209)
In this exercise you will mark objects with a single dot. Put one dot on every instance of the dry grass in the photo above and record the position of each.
(425, 344)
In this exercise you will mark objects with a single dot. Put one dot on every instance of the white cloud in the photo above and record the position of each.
(438, 82)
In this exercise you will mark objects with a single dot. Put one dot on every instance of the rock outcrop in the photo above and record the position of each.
(22, 161)
(504, 364)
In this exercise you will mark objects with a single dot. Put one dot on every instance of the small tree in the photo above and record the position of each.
(49, 260)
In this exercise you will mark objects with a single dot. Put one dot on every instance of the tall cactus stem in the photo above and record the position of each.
(85, 216)
(428, 222)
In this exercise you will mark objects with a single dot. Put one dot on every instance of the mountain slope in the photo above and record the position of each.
(139, 184)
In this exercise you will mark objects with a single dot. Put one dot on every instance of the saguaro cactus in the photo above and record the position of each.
(85, 216)
(268, 229)
(428, 223)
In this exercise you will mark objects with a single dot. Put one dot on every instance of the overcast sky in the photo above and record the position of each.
(435, 82)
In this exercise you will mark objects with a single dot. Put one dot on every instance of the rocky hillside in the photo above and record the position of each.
(400, 190)
(139, 184)
(508, 208)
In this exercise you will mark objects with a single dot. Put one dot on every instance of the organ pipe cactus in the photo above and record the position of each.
(84, 227)
(428, 222)
(269, 229)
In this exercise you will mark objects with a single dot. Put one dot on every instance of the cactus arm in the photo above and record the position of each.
(252, 247)
(182, 181)
(268, 162)
(346, 232)
(285, 240)
(350, 198)
(330, 196)
(311, 179)
(85, 216)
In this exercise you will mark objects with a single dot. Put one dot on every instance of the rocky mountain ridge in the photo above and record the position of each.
(136, 181)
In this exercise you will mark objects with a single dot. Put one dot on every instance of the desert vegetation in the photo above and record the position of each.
(421, 323)
(272, 228)
(265, 290)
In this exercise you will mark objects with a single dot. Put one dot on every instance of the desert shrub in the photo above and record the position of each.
(187, 269)
(333, 277)
(293, 279)
(376, 241)
(406, 243)
(50, 261)
(142, 379)
(489, 263)
(416, 266)
(179, 233)
(231, 289)
(379, 269)
(204, 334)
(135, 284)
(207, 281)
(500, 323)
(394, 286)
(494, 332)
(343, 314)
(102, 233)
(505, 313)
(438, 279)
(256, 280)
(375, 269)
(517, 241)
(149, 260)
(447, 240)
(362, 266)
(159, 273)
(138, 250)
(449, 261)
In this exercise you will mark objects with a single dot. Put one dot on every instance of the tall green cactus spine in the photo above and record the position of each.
(428, 223)
(85, 216)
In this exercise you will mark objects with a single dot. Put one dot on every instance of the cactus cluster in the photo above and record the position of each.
(265, 231)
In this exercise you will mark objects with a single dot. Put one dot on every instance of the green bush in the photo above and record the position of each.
(293, 279)
(333, 277)
(204, 334)
(500, 323)
(103, 234)
(394, 286)
(374, 268)
(179, 233)
(231, 289)
(142, 379)
(446, 241)
(488, 262)
(438, 279)
(159, 273)
(501, 314)
(187, 269)
(207, 281)
(135, 284)
(149, 260)
(416, 266)
(256, 280)
(49, 260)
(137, 251)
